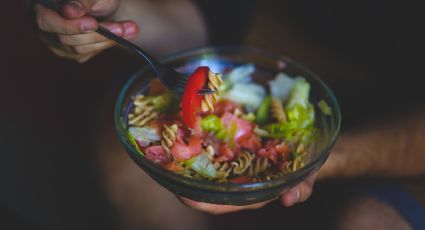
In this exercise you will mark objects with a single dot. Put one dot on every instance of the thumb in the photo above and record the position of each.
(77, 8)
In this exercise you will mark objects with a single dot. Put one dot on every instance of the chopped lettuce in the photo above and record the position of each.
(299, 93)
(133, 142)
(202, 165)
(298, 107)
(281, 86)
(250, 95)
(264, 111)
(324, 107)
(300, 115)
(290, 131)
(241, 74)
(144, 135)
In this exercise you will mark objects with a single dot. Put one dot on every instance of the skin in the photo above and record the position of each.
(390, 149)
(70, 33)
(167, 26)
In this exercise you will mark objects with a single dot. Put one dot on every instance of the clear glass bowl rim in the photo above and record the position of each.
(220, 186)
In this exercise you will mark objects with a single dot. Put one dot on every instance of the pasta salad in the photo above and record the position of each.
(242, 132)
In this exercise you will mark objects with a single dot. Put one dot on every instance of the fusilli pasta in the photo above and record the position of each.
(214, 82)
(242, 162)
(277, 110)
(142, 112)
(223, 169)
(258, 166)
(169, 135)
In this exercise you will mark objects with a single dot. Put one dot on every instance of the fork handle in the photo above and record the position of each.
(56, 5)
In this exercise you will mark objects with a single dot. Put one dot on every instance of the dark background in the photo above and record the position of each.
(370, 52)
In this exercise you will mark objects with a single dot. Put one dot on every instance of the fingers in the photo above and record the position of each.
(52, 22)
(77, 8)
(220, 209)
(92, 38)
(299, 193)
(75, 38)
(81, 58)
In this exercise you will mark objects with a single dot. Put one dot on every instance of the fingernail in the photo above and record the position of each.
(75, 4)
(295, 194)
(116, 29)
(130, 29)
(88, 26)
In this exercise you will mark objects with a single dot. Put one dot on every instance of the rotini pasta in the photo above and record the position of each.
(242, 162)
(223, 169)
(169, 135)
(142, 112)
(277, 110)
(214, 83)
(258, 166)
(211, 152)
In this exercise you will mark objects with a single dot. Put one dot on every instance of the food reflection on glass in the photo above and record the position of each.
(243, 132)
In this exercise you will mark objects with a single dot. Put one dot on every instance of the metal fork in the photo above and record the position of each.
(172, 79)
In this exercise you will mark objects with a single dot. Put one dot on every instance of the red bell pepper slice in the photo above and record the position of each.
(191, 100)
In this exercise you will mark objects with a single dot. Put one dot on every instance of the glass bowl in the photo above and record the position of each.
(267, 66)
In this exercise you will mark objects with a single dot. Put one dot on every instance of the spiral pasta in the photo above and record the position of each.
(242, 162)
(277, 110)
(258, 166)
(211, 152)
(142, 112)
(214, 83)
(169, 135)
(298, 161)
(223, 169)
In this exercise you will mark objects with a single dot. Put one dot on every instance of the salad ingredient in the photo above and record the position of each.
(324, 107)
(203, 165)
(277, 110)
(281, 86)
(263, 111)
(242, 135)
(191, 100)
(211, 123)
(249, 95)
(144, 135)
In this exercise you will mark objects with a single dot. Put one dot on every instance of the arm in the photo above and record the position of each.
(390, 149)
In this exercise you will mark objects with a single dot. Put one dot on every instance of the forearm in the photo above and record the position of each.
(393, 149)
(165, 26)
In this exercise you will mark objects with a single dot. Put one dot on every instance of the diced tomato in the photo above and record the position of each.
(275, 152)
(283, 150)
(223, 106)
(241, 179)
(195, 145)
(250, 142)
(191, 101)
(182, 151)
(225, 153)
(244, 127)
(156, 154)
(174, 167)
